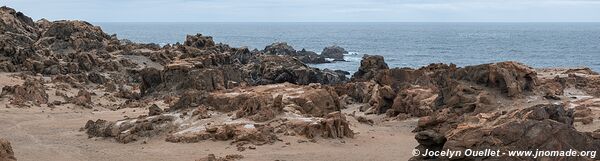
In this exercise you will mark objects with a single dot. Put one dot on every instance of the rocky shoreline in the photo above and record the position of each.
(201, 91)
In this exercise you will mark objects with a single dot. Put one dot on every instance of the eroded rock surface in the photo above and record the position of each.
(6, 151)
(548, 127)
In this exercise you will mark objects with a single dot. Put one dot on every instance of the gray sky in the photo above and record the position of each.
(312, 10)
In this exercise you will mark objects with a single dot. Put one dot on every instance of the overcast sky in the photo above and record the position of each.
(312, 10)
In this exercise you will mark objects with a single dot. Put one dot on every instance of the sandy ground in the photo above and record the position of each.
(54, 135)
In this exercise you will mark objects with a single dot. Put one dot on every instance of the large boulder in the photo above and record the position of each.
(6, 151)
(334, 52)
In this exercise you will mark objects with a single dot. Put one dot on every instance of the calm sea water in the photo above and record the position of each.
(402, 44)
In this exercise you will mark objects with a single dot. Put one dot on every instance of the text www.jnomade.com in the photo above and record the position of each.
(511, 153)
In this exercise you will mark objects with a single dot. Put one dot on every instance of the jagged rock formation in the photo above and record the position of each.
(547, 127)
(334, 52)
(369, 66)
(511, 78)
(259, 106)
(282, 48)
(6, 151)
(32, 92)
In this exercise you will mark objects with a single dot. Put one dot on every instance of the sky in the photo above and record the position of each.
(311, 10)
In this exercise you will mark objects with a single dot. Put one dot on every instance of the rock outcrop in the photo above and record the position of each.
(18, 33)
(282, 48)
(369, 66)
(334, 52)
(6, 151)
(260, 105)
(511, 78)
(31, 93)
(541, 127)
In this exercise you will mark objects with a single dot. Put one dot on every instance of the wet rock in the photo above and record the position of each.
(6, 151)
(335, 52)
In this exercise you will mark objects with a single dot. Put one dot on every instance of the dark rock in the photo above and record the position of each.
(154, 110)
(335, 52)
(279, 48)
(199, 41)
(369, 66)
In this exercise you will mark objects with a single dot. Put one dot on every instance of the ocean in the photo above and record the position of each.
(402, 44)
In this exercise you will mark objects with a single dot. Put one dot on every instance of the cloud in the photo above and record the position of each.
(311, 10)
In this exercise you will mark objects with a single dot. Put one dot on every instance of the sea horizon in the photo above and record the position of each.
(403, 44)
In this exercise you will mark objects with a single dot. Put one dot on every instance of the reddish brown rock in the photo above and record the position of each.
(547, 127)
(83, 98)
(32, 92)
(415, 101)
(512, 78)
(334, 125)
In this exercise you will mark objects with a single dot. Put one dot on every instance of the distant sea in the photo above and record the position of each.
(402, 44)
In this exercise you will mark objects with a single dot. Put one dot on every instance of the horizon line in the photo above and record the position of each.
(341, 21)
